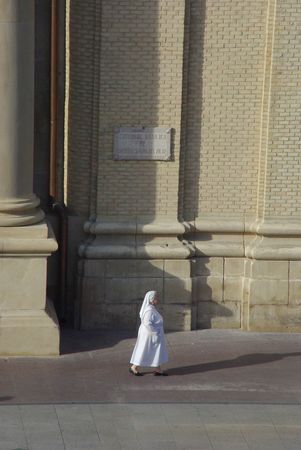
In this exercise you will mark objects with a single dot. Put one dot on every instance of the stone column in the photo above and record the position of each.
(27, 325)
(18, 204)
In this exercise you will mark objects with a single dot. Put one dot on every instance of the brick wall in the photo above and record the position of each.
(226, 59)
(140, 85)
(238, 126)
(224, 74)
(283, 164)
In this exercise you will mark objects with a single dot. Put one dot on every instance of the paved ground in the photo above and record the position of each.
(150, 427)
(226, 390)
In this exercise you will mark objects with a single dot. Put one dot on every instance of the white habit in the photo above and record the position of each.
(150, 349)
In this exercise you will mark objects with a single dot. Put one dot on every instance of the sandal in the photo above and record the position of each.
(137, 374)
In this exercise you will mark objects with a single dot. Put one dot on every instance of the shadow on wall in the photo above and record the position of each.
(208, 307)
(115, 69)
(192, 109)
(114, 82)
(112, 292)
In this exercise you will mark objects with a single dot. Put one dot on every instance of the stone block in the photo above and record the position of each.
(268, 292)
(244, 316)
(75, 235)
(194, 316)
(123, 268)
(218, 315)
(30, 333)
(246, 289)
(94, 267)
(295, 292)
(277, 270)
(131, 268)
(234, 267)
(176, 317)
(22, 283)
(233, 289)
(177, 290)
(207, 266)
(177, 268)
(128, 290)
(209, 288)
(275, 318)
(248, 267)
(93, 290)
(149, 284)
(295, 270)
(121, 290)
(109, 316)
(150, 268)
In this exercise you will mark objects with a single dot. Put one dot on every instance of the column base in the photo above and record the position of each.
(29, 332)
(20, 212)
(28, 325)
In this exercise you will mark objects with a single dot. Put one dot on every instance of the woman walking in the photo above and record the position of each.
(150, 349)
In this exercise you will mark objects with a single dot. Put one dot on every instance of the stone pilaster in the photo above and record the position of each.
(271, 301)
(133, 242)
(123, 260)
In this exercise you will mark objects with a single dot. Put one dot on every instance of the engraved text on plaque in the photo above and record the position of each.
(142, 143)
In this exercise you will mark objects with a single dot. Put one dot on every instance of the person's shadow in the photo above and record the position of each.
(252, 359)
(6, 398)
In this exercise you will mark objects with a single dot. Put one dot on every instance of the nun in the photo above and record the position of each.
(150, 349)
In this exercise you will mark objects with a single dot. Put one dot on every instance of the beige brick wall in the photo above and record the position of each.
(283, 165)
(235, 110)
(140, 85)
(226, 58)
(225, 74)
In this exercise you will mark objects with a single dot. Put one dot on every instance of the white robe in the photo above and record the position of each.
(150, 349)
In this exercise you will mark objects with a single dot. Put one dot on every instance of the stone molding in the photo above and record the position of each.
(38, 240)
(274, 248)
(270, 238)
(132, 226)
(281, 226)
(140, 238)
(19, 212)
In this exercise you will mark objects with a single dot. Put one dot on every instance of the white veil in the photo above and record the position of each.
(149, 297)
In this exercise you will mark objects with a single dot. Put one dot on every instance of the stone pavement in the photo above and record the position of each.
(226, 390)
(150, 427)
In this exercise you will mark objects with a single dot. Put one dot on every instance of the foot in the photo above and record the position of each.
(135, 372)
(160, 374)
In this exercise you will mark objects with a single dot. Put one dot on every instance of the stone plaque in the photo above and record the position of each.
(142, 143)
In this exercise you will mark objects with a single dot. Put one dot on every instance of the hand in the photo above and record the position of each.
(155, 338)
